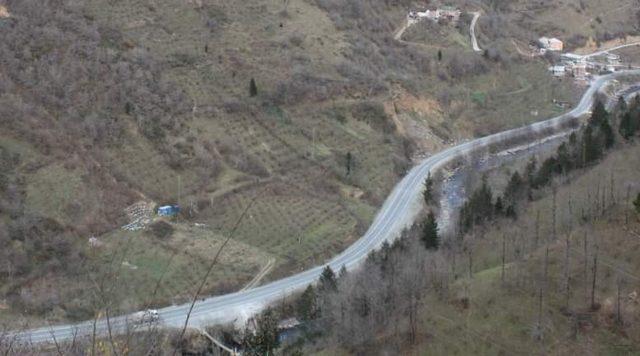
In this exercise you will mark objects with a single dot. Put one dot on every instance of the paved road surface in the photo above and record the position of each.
(604, 51)
(398, 212)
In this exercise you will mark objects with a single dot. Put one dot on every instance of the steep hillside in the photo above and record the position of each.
(556, 272)
(107, 103)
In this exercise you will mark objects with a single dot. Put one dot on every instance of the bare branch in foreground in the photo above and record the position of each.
(213, 263)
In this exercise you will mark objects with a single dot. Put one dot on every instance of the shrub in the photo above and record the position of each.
(161, 229)
(373, 113)
(460, 66)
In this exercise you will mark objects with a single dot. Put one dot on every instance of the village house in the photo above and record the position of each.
(550, 44)
(575, 64)
(570, 57)
(579, 70)
(447, 13)
(558, 71)
(613, 59)
(450, 13)
(416, 16)
(4, 13)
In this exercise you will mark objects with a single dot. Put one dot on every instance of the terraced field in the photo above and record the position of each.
(155, 271)
(301, 230)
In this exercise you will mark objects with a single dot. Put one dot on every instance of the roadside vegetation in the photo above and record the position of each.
(556, 273)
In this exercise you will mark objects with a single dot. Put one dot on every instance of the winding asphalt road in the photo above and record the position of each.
(399, 211)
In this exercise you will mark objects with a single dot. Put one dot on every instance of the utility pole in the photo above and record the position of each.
(618, 314)
(179, 189)
(626, 210)
(504, 247)
(595, 274)
(313, 143)
(537, 238)
(179, 193)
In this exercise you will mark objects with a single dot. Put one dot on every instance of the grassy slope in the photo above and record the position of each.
(504, 316)
(571, 18)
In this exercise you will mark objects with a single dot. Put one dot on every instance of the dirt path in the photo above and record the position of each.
(398, 35)
(263, 272)
(472, 32)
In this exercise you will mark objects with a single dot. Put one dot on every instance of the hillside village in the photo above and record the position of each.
(580, 67)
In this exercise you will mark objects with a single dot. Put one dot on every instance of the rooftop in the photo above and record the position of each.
(4, 13)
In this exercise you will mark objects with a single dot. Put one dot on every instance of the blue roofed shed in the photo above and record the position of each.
(168, 210)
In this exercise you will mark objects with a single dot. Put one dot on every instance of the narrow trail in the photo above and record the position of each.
(263, 272)
(398, 35)
(472, 32)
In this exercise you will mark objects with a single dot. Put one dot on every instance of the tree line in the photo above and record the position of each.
(583, 148)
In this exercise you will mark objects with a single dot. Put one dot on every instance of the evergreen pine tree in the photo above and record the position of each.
(328, 281)
(564, 159)
(343, 272)
(253, 88)
(628, 126)
(265, 339)
(530, 170)
(349, 159)
(439, 55)
(484, 200)
(428, 190)
(511, 212)
(634, 107)
(621, 108)
(607, 133)
(600, 121)
(546, 171)
(430, 232)
(514, 189)
(598, 115)
(636, 203)
(499, 206)
(306, 306)
(591, 147)
(128, 108)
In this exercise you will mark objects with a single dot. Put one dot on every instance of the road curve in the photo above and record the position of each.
(472, 32)
(399, 211)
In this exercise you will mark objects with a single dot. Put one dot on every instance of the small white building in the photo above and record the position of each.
(416, 16)
(571, 57)
(446, 13)
(613, 59)
(558, 71)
